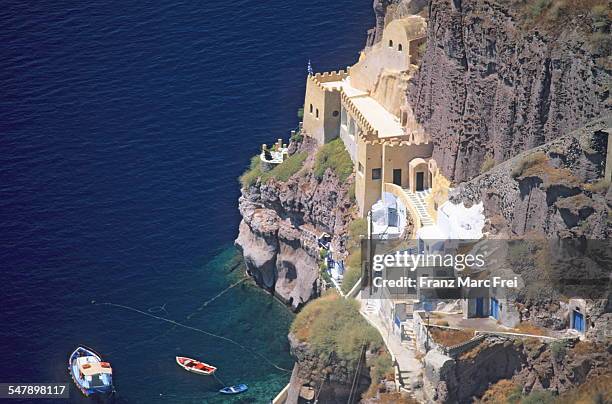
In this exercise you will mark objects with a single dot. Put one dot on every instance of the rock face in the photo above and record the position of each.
(532, 364)
(457, 381)
(551, 189)
(492, 83)
(280, 225)
(331, 378)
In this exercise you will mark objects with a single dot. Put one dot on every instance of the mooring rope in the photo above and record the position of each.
(197, 330)
(218, 295)
(357, 371)
(158, 309)
(219, 379)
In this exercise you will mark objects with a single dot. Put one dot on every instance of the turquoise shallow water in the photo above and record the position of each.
(242, 313)
(123, 129)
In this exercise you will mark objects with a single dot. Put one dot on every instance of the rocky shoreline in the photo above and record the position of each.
(280, 225)
(518, 114)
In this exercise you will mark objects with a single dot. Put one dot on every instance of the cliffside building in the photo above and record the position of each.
(366, 107)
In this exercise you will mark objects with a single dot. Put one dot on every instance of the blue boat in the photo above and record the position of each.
(90, 374)
(239, 388)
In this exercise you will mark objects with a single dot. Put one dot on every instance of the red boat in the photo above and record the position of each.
(195, 366)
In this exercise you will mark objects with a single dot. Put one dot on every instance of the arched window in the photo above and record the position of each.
(390, 43)
(317, 114)
(399, 47)
(311, 108)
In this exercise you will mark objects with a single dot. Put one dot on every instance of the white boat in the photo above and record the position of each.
(90, 374)
(195, 366)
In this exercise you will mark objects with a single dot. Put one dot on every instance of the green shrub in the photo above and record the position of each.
(601, 43)
(381, 365)
(527, 162)
(539, 397)
(332, 324)
(487, 165)
(251, 175)
(422, 48)
(599, 16)
(281, 172)
(326, 277)
(558, 350)
(333, 155)
(537, 7)
(287, 168)
(351, 192)
(351, 276)
(358, 229)
(297, 137)
(600, 186)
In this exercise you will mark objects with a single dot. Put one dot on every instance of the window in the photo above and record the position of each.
(335, 114)
(390, 43)
(376, 173)
(317, 113)
(351, 127)
(311, 108)
(360, 168)
(399, 47)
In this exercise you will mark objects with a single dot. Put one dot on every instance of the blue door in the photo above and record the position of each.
(578, 321)
(494, 308)
(479, 307)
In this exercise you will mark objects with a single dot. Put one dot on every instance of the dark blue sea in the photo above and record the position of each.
(123, 129)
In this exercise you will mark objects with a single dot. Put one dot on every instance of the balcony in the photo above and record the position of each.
(274, 155)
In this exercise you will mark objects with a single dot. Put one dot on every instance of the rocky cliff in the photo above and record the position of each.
(330, 377)
(500, 77)
(529, 364)
(281, 221)
(556, 189)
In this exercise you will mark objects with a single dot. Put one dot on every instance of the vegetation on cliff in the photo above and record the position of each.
(507, 391)
(357, 230)
(333, 155)
(590, 17)
(333, 326)
(281, 172)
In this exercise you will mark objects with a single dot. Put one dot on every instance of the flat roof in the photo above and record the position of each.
(384, 122)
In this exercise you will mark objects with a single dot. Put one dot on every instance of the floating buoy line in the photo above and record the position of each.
(210, 334)
(218, 295)
(158, 309)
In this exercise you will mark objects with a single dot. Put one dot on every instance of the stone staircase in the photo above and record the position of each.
(417, 199)
(408, 338)
(370, 307)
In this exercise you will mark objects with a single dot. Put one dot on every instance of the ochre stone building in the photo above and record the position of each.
(366, 107)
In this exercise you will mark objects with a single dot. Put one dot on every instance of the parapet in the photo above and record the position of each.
(367, 128)
(329, 77)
